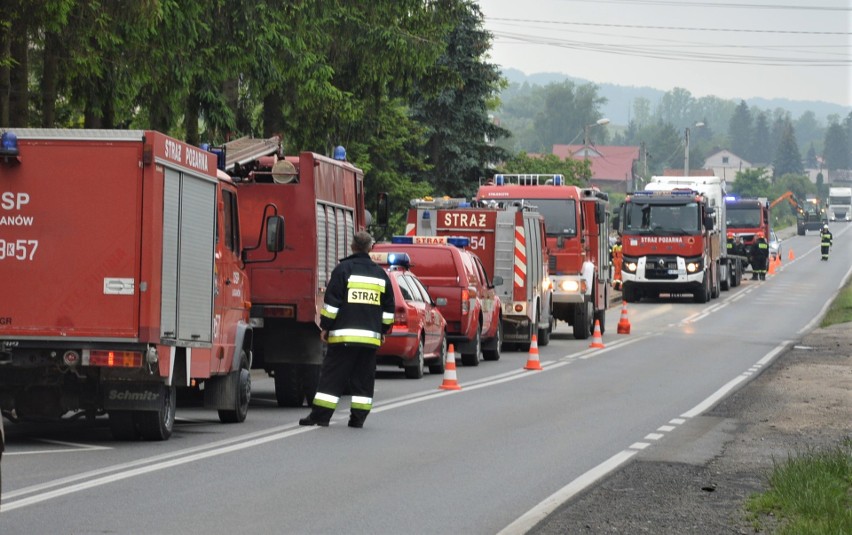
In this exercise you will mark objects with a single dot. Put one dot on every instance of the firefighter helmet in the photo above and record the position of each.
(825, 227)
(760, 235)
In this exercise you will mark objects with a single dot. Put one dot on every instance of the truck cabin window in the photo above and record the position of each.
(559, 216)
(662, 218)
(743, 217)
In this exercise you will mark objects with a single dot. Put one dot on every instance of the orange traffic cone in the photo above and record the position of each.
(772, 264)
(791, 256)
(533, 362)
(450, 380)
(624, 323)
(597, 340)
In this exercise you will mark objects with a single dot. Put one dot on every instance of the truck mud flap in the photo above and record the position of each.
(133, 396)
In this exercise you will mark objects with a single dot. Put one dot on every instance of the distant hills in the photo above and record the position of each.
(620, 98)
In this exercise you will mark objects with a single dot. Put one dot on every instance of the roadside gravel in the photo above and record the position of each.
(802, 402)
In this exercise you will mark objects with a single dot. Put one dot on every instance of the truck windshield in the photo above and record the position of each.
(661, 218)
(560, 217)
(837, 199)
(743, 216)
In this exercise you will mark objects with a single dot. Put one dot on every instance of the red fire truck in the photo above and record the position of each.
(323, 199)
(746, 216)
(121, 254)
(576, 239)
(509, 240)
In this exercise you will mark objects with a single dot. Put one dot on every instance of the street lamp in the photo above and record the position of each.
(599, 122)
(686, 150)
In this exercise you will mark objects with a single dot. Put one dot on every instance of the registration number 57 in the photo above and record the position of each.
(18, 249)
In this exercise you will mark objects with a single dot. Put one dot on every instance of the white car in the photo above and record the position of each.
(774, 245)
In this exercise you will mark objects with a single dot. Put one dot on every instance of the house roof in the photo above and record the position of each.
(609, 162)
(692, 172)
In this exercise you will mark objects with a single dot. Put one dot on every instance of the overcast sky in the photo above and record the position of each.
(794, 49)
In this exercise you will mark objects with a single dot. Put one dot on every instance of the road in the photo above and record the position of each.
(494, 457)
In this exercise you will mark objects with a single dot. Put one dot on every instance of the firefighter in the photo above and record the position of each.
(759, 257)
(357, 312)
(616, 264)
(825, 241)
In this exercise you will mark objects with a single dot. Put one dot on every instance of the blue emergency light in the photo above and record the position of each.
(9, 145)
(557, 180)
(458, 241)
(499, 180)
(399, 259)
(340, 153)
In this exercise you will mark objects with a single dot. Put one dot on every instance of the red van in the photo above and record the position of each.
(452, 272)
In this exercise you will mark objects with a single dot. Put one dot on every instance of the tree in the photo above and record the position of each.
(456, 114)
(751, 183)
(567, 110)
(836, 152)
(740, 131)
(787, 160)
(761, 146)
(676, 107)
(641, 111)
(811, 159)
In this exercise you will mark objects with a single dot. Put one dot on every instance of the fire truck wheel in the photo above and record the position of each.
(703, 294)
(242, 393)
(310, 381)
(472, 359)
(288, 386)
(715, 290)
(493, 353)
(544, 334)
(414, 370)
(583, 318)
(123, 425)
(437, 367)
(158, 425)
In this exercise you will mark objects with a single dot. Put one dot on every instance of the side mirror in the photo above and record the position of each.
(600, 213)
(616, 219)
(275, 234)
(708, 222)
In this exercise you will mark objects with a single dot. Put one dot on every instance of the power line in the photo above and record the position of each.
(675, 3)
(680, 28)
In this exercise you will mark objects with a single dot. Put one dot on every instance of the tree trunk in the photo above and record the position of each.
(49, 76)
(19, 95)
(190, 121)
(273, 115)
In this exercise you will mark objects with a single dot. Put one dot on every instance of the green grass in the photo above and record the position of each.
(840, 310)
(809, 494)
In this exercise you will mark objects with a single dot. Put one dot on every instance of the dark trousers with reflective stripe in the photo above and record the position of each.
(346, 365)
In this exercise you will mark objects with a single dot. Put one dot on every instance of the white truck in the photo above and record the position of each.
(840, 204)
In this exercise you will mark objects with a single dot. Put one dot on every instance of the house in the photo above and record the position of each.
(613, 167)
(725, 164)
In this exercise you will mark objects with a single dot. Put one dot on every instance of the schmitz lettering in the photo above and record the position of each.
(367, 297)
(127, 395)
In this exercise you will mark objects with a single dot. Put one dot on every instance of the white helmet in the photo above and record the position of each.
(825, 227)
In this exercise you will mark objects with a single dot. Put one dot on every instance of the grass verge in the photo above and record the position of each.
(809, 494)
(840, 310)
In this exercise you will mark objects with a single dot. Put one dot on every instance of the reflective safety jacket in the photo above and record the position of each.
(825, 237)
(359, 303)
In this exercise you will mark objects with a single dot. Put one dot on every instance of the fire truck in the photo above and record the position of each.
(510, 242)
(669, 245)
(324, 199)
(124, 279)
(576, 228)
(746, 216)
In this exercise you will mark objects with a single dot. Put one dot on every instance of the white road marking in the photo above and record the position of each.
(73, 447)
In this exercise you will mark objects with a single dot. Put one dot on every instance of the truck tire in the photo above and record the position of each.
(702, 295)
(288, 386)
(583, 318)
(158, 425)
(628, 293)
(544, 334)
(493, 354)
(437, 367)
(725, 282)
(123, 425)
(715, 284)
(241, 379)
(415, 369)
(472, 359)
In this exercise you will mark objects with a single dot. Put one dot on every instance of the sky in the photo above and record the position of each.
(793, 49)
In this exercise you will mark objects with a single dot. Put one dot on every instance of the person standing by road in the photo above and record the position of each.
(356, 314)
(825, 241)
(759, 257)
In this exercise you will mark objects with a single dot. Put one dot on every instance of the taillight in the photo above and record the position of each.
(465, 301)
(114, 359)
(400, 317)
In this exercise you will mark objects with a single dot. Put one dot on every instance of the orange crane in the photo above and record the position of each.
(809, 215)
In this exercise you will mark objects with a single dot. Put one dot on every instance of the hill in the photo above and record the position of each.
(620, 98)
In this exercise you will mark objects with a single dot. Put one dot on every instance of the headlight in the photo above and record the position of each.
(569, 286)
(692, 267)
(630, 266)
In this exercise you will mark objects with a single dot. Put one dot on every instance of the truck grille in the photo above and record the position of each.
(657, 268)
